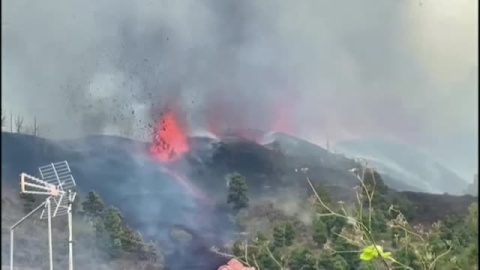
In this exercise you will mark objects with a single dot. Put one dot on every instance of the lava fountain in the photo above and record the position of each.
(170, 143)
(170, 140)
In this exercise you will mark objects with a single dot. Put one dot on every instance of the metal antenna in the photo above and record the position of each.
(57, 183)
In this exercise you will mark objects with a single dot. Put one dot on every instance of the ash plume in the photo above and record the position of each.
(395, 69)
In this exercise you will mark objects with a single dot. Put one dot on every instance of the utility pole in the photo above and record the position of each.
(70, 236)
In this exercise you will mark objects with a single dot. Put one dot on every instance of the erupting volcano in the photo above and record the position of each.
(170, 140)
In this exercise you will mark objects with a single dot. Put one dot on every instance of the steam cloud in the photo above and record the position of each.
(405, 70)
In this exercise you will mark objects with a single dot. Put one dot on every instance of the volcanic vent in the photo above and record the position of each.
(170, 140)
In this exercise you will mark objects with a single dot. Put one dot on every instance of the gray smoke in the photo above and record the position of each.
(404, 70)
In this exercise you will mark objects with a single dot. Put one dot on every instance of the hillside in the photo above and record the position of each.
(187, 197)
(31, 241)
(405, 164)
(382, 230)
(306, 154)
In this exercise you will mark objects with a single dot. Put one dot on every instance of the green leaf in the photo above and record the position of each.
(387, 255)
(367, 256)
(369, 253)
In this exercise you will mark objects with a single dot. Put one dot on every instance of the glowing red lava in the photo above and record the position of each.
(170, 141)
(169, 144)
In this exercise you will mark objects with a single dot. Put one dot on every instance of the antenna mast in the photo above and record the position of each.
(57, 183)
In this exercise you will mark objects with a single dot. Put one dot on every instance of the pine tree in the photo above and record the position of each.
(289, 234)
(113, 220)
(237, 192)
(113, 223)
(93, 204)
(132, 241)
(319, 232)
(278, 237)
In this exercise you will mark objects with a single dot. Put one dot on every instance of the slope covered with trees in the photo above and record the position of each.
(376, 232)
(102, 238)
(270, 198)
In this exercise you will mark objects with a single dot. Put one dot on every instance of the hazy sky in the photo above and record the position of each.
(398, 69)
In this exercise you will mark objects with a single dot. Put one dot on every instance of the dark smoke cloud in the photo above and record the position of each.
(394, 69)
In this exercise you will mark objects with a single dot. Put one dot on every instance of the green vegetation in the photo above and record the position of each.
(289, 234)
(320, 232)
(103, 231)
(237, 192)
(278, 237)
(93, 205)
(113, 235)
(373, 233)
